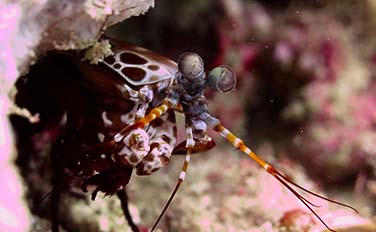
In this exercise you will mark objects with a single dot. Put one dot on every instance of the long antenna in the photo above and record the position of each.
(239, 144)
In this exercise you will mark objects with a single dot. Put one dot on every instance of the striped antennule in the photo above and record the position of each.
(239, 144)
(289, 184)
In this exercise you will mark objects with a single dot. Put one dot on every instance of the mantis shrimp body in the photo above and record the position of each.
(125, 120)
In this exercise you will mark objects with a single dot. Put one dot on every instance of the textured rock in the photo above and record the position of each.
(27, 30)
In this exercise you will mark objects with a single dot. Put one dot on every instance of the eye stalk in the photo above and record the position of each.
(222, 79)
(190, 65)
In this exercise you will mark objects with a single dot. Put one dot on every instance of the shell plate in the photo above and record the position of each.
(139, 66)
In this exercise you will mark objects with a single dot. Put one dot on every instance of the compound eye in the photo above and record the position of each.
(222, 79)
(190, 65)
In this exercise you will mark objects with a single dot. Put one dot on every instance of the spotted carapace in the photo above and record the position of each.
(125, 121)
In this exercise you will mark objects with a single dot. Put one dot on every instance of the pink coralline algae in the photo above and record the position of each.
(300, 73)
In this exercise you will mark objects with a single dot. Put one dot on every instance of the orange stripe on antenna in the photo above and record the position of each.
(141, 123)
(289, 184)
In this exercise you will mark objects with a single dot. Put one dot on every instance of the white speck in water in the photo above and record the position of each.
(272, 101)
(297, 12)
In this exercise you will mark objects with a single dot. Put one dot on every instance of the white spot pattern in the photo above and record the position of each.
(164, 71)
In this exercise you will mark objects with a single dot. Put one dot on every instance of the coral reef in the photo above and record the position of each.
(310, 79)
(241, 198)
(306, 95)
(28, 29)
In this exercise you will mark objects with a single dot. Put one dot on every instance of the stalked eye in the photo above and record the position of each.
(190, 65)
(222, 79)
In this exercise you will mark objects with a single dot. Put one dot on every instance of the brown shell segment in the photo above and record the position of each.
(134, 73)
(109, 59)
(155, 68)
(131, 58)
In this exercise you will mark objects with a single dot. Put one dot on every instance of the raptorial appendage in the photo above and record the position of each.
(149, 150)
(136, 147)
(146, 156)
(158, 157)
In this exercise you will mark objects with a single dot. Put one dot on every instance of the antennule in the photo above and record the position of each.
(289, 184)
